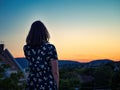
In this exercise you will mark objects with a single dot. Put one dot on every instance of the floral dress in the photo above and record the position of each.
(40, 76)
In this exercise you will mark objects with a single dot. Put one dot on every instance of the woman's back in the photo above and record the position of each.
(42, 58)
(40, 75)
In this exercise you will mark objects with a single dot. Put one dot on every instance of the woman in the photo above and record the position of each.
(42, 58)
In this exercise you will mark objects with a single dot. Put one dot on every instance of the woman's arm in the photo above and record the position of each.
(55, 71)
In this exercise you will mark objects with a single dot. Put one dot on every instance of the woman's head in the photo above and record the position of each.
(38, 33)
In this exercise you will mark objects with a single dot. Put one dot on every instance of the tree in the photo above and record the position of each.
(103, 76)
(116, 80)
(12, 82)
(69, 79)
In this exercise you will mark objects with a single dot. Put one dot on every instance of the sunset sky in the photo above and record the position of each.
(81, 30)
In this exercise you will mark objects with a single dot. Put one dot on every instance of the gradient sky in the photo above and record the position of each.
(81, 30)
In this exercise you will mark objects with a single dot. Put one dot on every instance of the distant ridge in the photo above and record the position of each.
(23, 62)
(70, 64)
(99, 62)
(102, 60)
(62, 63)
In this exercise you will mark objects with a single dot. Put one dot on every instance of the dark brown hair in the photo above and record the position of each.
(38, 33)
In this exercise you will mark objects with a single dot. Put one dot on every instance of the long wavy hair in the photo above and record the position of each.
(38, 34)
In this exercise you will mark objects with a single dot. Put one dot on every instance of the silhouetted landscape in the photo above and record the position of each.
(83, 30)
(98, 74)
(103, 74)
(74, 64)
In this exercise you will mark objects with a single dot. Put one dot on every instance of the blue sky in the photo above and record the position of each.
(86, 29)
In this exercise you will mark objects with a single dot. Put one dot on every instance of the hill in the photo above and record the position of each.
(62, 63)
(72, 64)
(99, 62)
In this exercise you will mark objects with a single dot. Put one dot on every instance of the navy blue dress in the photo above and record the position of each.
(40, 76)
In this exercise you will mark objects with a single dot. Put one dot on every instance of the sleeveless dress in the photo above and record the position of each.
(40, 76)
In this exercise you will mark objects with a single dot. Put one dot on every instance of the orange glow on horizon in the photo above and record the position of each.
(80, 58)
